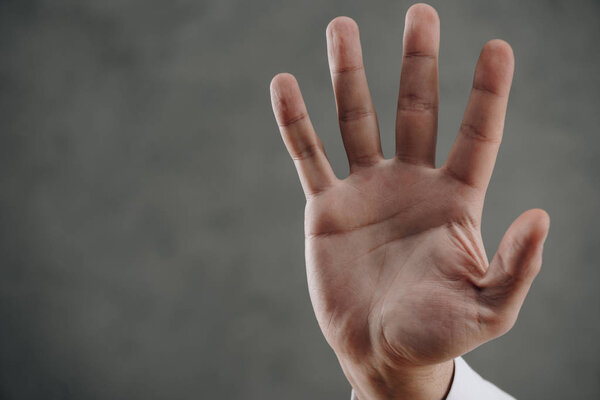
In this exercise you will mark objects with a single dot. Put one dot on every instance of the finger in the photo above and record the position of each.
(299, 136)
(417, 114)
(473, 155)
(356, 113)
(513, 268)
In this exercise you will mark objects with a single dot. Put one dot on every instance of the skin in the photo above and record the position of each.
(397, 272)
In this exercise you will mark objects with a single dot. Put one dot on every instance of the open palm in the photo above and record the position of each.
(397, 270)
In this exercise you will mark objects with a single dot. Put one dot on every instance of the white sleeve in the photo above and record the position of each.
(469, 385)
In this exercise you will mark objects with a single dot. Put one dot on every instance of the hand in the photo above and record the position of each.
(397, 270)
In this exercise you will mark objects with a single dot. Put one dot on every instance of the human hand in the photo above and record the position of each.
(397, 271)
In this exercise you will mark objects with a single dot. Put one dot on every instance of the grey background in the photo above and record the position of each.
(151, 242)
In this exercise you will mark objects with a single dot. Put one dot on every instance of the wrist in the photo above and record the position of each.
(431, 382)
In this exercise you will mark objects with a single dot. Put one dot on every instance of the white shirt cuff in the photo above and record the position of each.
(469, 385)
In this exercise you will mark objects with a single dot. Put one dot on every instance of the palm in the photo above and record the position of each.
(396, 266)
(388, 238)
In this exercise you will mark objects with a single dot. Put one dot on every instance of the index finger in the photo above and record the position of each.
(473, 155)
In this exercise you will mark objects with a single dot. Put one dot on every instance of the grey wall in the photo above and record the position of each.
(151, 242)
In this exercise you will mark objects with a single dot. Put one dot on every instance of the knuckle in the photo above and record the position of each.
(419, 55)
(355, 114)
(477, 133)
(414, 103)
(289, 121)
(346, 69)
(305, 152)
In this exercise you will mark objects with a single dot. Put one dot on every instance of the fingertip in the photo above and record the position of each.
(495, 68)
(539, 223)
(283, 87)
(421, 31)
(341, 25)
(530, 229)
(499, 50)
(286, 98)
(423, 12)
(343, 45)
(281, 81)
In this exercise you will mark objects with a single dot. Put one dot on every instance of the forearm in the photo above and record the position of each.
(416, 383)
(466, 384)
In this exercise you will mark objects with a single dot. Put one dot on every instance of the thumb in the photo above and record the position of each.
(513, 268)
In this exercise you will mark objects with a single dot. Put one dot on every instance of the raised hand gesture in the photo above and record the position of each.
(397, 270)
